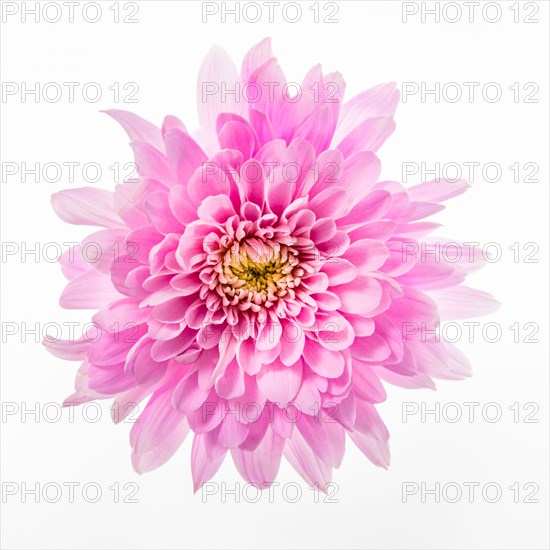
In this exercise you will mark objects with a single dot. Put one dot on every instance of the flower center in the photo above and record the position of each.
(259, 272)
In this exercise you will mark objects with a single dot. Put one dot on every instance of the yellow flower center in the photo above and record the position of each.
(259, 272)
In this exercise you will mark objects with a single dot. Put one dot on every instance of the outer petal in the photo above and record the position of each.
(217, 73)
(137, 128)
(280, 383)
(306, 462)
(463, 302)
(261, 465)
(158, 433)
(86, 206)
(203, 467)
(382, 100)
(255, 57)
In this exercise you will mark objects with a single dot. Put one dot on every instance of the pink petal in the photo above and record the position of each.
(261, 126)
(362, 295)
(187, 395)
(184, 155)
(151, 163)
(361, 172)
(141, 366)
(367, 136)
(261, 465)
(366, 383)
(378, 101)
(380, 231)
(203, 467)
(367, 254)
(247, 357)
(324, 436)
(280, 383)
(71, 350)
(170, 123)
(374, 206)
(121, 313)
(231, 384)
(216, 209)
(329, 203)
(232, 432)
(238, 136)
(323, 230)
(137, 128)
(463, 302)
(292, 343)
(158, 433)
(318, 128)
(303, 459)
(255, 57)
(437, 191)
(216, 75)
(171, 348)
(376, 451)
(181, 205)
(324, 362)
(339, 271)
(89, 290)
(370, 348)
(86, 206)
(206, 183)
(252, 182)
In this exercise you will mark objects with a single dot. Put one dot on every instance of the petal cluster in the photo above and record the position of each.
(258, 283)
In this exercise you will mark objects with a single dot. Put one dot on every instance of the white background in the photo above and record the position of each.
(369, 44)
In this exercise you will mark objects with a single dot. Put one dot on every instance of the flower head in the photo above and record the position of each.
(259, 282)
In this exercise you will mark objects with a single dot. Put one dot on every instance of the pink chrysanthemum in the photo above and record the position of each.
(259, 282)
